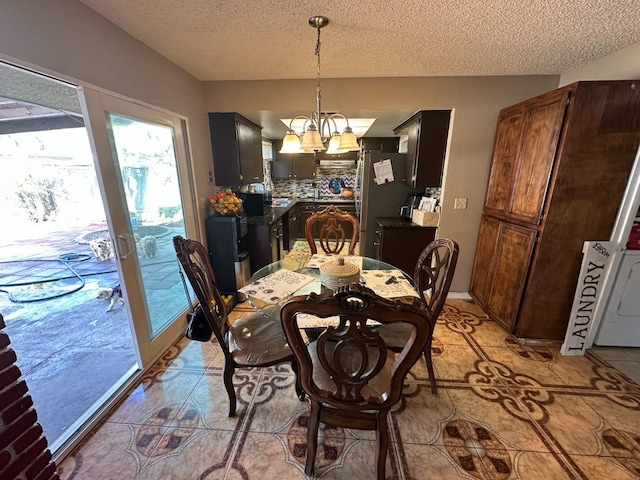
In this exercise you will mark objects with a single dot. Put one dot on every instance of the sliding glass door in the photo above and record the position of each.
(93, 191)
(141, 157)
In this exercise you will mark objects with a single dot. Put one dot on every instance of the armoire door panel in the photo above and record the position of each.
(503, 166)
(541, 124)
(514, 247)
(480, 286)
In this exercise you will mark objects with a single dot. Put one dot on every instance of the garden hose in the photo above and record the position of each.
(65, 258)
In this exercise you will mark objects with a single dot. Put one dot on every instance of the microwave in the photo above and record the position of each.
(256, 204)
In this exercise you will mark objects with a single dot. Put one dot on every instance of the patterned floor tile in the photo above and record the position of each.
(503, 411)
(186, 453)
(537, 466)
(189, 354)
(275, 405)
(517, 367)
(566, 432)
(455, 363)
(598, 468)
(620, 410)
(420, 416)
(590, 372)
(208, 403)
(159, 397)
(454, 462)
(110, 453)
(449, 331)
(496, 415)
(630, 369)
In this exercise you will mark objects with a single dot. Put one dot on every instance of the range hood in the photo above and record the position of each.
(334, 163)
(342, 160)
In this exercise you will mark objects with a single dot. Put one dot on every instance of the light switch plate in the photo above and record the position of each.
(460, 203)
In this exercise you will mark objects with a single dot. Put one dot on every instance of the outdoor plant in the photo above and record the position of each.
(39, 197)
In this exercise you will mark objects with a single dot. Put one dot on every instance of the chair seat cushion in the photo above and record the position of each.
(378, 387)
(256, 340)
(395, 335)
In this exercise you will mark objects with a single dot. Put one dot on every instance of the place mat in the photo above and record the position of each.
(318, 259)
(276, 286)
(388, 283)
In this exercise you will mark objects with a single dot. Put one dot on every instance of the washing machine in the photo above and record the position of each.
(620, 324)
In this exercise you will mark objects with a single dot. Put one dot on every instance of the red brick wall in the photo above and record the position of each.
(23, 447)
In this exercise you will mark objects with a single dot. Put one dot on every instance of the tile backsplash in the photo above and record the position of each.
(327, 181)
(326, 178)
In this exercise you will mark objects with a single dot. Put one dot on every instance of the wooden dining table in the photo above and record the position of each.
(383, 278)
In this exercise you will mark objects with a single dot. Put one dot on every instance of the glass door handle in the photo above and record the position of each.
(125, 245)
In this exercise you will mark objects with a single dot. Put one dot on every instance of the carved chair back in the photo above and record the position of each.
(251, 341)
(331, 234)
(432, 276)
(434, 272)
(351, 377)
(195, 262)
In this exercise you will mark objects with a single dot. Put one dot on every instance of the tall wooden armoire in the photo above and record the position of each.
(560, 165)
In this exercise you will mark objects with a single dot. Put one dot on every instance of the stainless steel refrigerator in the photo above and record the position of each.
(373, 200)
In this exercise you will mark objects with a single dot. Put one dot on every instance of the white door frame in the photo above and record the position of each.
(95, 103)
(619, 237)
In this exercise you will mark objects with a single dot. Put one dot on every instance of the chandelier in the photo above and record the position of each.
(319, 127)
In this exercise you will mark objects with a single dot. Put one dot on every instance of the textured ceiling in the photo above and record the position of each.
(271, 39)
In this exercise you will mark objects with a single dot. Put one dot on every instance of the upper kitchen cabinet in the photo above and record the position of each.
(287, 166)
(427, 133)
(380, 144)
(237, 149)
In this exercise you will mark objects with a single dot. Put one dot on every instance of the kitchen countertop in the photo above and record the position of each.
(277, 213)
(274, 215)
(395, 222)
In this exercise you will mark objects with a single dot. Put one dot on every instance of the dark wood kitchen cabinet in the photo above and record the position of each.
(380, 144)
(287, 166)
(560, 166)
(266, 243)
(305, 210)
(237, 149)
(293, 230)
(428, 132)
(400, 242)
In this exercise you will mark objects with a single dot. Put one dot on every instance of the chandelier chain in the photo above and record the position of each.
(320, 127)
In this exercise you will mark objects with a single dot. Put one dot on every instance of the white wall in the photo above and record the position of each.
(621, 65)
(70, 41)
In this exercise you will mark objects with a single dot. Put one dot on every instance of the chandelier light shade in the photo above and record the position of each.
(290, 143)
(320, 129)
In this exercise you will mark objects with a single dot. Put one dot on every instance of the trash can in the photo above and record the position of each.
(243, 273)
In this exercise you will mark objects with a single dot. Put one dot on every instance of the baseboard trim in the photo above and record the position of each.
(459, 295)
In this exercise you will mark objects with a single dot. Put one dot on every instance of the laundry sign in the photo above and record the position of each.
(588, 294)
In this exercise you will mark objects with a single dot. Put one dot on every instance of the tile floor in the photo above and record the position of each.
(503, 411)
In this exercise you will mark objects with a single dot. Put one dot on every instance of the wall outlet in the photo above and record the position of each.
(460, 203)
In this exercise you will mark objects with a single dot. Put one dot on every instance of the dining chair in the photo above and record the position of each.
(349, 375)
(331, 234)
(251, 341)
(432, 276)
